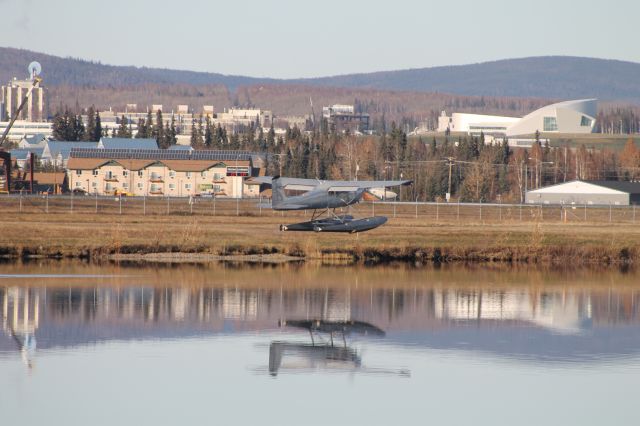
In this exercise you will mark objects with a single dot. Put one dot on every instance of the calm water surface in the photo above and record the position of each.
(187, 344)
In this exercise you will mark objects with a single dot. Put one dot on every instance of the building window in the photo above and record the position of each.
(140, 185)
(216, 188)
(78, 184)
(187, 186)
(172, 174)
(217, 176)
(109, 174)
(188, 175)
(172, 186)
(94, 184)
(139, 173)
(125, 185)
(550, 124)
(125, 173)
(78, 172)
(203, 175)
(95, 172)
(108, 187)
(585, 121)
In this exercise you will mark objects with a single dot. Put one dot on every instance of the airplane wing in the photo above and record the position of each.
(352, 185)
(299, 184)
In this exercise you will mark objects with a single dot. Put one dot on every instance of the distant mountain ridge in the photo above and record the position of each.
(560, 77)
(553, 77)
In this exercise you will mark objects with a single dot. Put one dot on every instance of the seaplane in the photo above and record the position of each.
(323, 198)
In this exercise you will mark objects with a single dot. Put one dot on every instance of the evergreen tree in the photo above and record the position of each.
(171, 137)
(142, 129)
(208, 133)
(158, 130)
(197, 140)
(60, 126)
(97, 131)
(123, 128)
(149, 125)
(91, 124)
(78, 130)
(271, 136)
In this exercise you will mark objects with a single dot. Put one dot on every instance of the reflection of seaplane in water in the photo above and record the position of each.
(322, 353)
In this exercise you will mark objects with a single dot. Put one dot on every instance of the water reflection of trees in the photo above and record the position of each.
(389, 307)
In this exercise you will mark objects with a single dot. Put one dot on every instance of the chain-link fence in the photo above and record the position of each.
(212, 206)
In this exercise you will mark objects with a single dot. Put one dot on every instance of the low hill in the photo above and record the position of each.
(557, 77)
(78, 72)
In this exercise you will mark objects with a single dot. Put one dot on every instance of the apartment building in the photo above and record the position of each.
(156, 172)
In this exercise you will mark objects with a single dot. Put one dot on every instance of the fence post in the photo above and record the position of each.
(260, 204)
(214, 204)
(609, 211)
(120, 202)
(437, 211)
(71, 200)
(520, 212)
(96, 202)
(458, 214)
(480, 210)
(416, 207)
(168, 201)
(191, 200)
(394, 208)
(144, 205)
(21, 201)
(500, 209)
(585, 212)
(238, 206)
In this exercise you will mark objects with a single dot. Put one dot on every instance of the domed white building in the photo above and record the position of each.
(563, 117)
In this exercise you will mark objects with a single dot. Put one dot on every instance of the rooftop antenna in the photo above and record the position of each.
(34, 70)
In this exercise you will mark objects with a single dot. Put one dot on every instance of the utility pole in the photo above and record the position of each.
(450, 164)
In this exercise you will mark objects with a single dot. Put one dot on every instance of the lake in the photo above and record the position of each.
(306, 344)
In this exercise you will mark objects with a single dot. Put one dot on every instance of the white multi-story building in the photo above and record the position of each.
(12, 95)
(563, 117)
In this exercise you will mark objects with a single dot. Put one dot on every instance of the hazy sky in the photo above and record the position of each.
(289, 38)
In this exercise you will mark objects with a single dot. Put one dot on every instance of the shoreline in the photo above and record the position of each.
(169, 238)
(369, 255)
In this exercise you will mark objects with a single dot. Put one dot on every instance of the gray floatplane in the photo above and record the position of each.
(323, 198)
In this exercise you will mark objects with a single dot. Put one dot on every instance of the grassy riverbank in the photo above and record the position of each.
(105, 236)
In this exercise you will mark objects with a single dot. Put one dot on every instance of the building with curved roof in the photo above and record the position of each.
(563, 117)
(576, 116)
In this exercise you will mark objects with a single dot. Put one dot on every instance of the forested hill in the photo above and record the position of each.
(559, 77)
(59, 71)
(555, 77)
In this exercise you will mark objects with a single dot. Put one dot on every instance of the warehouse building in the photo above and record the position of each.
(579, 192)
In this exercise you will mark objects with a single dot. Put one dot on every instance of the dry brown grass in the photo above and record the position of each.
(89, 234)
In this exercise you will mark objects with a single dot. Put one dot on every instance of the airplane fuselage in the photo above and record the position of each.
(318, 200)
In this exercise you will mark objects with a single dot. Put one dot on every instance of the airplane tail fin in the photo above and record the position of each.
(277, 192)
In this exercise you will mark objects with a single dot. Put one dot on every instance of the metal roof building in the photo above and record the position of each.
(605, 192)
(127, 143)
